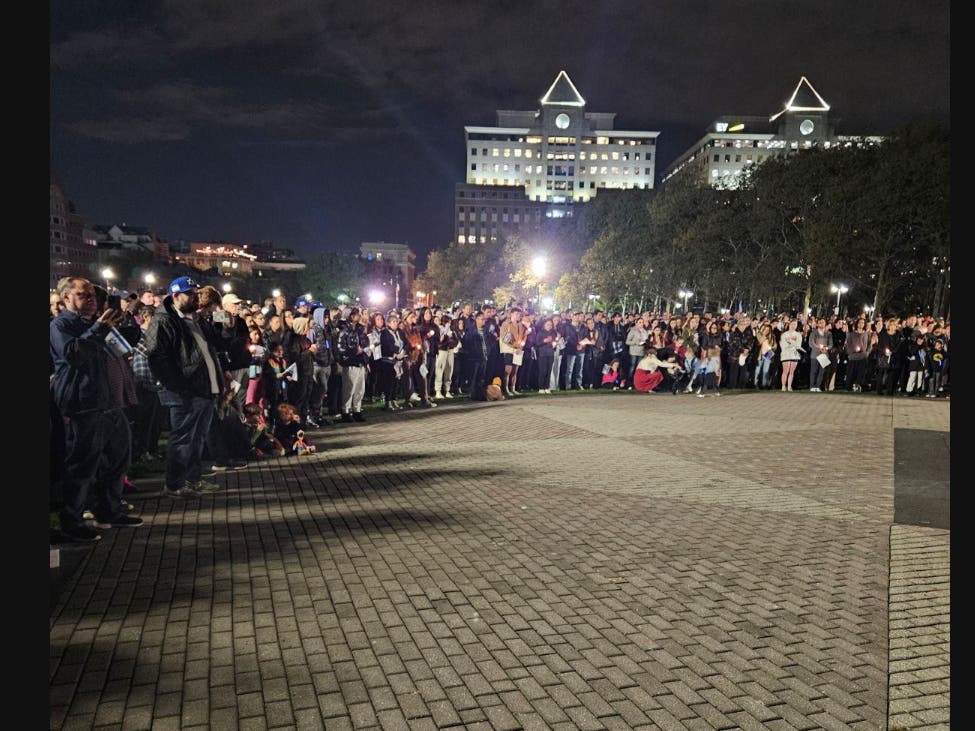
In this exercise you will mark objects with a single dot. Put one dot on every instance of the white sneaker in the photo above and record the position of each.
(689, 389)
(790, 388)
(783, 388)
(414, 397)
(699, 395)
(448, 395)
(437, 396)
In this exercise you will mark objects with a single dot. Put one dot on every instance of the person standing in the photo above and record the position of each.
(477, 345)
(820, 344)
(187, 366)
(790, 349)
(858, 347)
(513, 335)
(352, 344)
(92, 387)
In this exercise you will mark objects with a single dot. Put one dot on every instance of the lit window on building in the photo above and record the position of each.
(507, 152)
(495, 152)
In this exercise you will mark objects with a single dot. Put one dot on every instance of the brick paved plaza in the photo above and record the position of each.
(615, 561)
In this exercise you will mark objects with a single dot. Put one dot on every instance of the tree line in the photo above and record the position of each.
(874, 219)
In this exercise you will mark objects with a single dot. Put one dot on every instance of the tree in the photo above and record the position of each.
(331, 274)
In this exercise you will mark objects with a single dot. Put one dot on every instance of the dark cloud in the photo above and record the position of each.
(358, 97)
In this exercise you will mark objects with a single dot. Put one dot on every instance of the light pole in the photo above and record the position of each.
(685, 294)
(839, 290)
(149, 279)
(108, 275)
(590, 299)
(539, 267)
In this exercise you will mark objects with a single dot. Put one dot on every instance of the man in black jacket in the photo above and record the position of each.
(352, 342)
(188, 368)
(479, 345)
(741, 342)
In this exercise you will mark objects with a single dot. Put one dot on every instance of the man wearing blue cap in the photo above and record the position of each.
(188, 368)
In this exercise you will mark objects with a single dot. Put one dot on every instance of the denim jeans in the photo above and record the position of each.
(189, 424)
(98, 452)
(816, 373)
(763, 372)
(553, 381)
(573, 371)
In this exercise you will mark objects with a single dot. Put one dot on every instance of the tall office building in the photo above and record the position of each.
(542, 164)
(735, 142)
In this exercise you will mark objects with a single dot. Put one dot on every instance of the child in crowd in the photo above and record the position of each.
(936, 364)
(692, 368)
(611, 376)
(917, 356)
(263, 443)
(712, 368)
(289, 426)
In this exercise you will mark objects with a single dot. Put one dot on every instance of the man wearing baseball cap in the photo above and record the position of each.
(188, 368)
(234, 341)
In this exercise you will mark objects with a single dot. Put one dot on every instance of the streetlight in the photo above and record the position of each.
(150, 279)
(226, 287)
(343, 298)
(685, 294)
(108, 275)
(548, 303)
(590, 299)
(376, 297)
(839, 290)
(275, 293)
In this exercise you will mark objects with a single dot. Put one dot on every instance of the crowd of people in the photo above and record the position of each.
(232, 381)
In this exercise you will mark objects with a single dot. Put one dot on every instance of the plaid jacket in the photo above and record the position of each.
(140, 367)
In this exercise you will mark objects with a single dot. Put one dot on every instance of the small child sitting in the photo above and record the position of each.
(289, 430)
(611, 376)
(263, 443)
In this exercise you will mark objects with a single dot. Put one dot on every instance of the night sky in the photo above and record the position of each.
(320, 125)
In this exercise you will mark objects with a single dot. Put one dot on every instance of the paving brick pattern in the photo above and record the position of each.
(920, 629)
(613, 561)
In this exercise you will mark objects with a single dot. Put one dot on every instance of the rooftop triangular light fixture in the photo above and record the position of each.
(564, 92)
(804, 99)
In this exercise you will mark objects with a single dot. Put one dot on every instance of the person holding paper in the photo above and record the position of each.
(820, 343)
(513, 335)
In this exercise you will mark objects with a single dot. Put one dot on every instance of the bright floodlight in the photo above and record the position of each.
(150, 278)
(275, 293)
(548, 303)
(226, 287)
(377, 297)
(308, 296)
(343, 298)
(539, 266)
(841, 288)
(107, 273)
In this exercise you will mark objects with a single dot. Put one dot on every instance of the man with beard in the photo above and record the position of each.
(188, 368)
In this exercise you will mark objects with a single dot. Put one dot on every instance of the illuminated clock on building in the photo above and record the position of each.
(562, 121)
(807, 126)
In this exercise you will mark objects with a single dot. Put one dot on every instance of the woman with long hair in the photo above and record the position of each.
(446, 350)
(391, 350)
(858, 346)
(414, 379)
(790, 346)
(766, 353)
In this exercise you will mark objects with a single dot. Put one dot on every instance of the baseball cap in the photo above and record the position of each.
(230, 299)
(181, 285)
